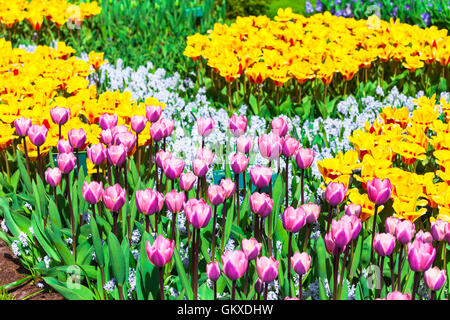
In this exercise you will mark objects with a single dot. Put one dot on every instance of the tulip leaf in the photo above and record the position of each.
(117, 260)
(44, 241)
(97, 242)
(70, 291)
(54, 214)
(229, 214)
(356, 258)
(23, 173)
(58, 243)
(182, 274)
(321, 266)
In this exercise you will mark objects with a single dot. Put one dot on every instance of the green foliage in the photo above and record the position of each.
(243, 8)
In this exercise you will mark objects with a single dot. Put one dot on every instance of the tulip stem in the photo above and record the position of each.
(287, 183)
(233, 290)
(120, 287)
(373, 231)
(399, 279)
(330, 216)
(150, 164)
(161, 281)
(300, 286)
(266, 290)
(215, 290)
(59, 131)
(93, 212)
(416, 283)
(433, 295)
(305, 245)
(246, 282)
(26, 155)
(256, 227)
(72, 219)
(341, 280)
(224, 217)
(237, 198)
(214, 234)
(381, 276)
(78, 162)
(39, 164)
(289, 262)
(115, 214)
(138, 155)
(303, 187)
(392, 272)
(335, 275)
(102, 272)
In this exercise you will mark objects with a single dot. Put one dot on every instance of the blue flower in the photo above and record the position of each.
(426, 17)
(319, 6)
(308, 7)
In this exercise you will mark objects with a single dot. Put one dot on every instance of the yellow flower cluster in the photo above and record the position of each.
(413, 151)
(33, 83)
(35, 11)
(317, 47)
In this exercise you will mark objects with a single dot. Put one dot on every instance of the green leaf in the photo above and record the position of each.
(182, 274)
(117, 260)
(98, 247)
(74, 292)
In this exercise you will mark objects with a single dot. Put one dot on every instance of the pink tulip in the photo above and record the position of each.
(173, 167)
(161, 156)
(205, 126)
(279, 126)
(312, 212)
(206, 155)
(59, 115)
(53, 176)
(96, 153)
(301, 262)
(127, 139)
(160, 201)
(238, 162)
(261, 176)
(435, 278)
(157, 131)
(175, 201)
(22, 126)
(115, 131)
(384, 243)
(335, 193)
(238, 125)
(107, 121)
(160, 252)
(293, 219)
(267, 269)
(63, 146)
(356, 224)
(168, 126)
(66, 162)
(304, 157)
(116, 154)
(251, 247)
(420, 255)
(114, 197)
(199, 167)
(77, 138)
(397, 295)
(147, 201)
(106, 137)
(153, 113)
(37, 134)
(270, 146)
(330, 245)
(213, 271)
(404, 231)
(187, 180)
(438, 229)
(379, 191)
(291, 298)
(391, 224)
(261, 204)
(289, 146)
(228, 185)
(92, 192)
(341, 232)
(424, 236)
(259, 286)
(138, 123)
(244, 144)
(234, 264)
(353, 210)
(216, 194)
(198, 212)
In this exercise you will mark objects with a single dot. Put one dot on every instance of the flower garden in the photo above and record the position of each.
(300, 157)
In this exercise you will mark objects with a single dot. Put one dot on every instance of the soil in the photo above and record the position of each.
(11, 270)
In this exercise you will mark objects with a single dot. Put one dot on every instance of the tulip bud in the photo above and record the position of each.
(251, 247)
(168, 126)
(157, 131)
(353, 210)
(107, 121)
(330, 245)
(175, 201)
(259, 286)
(435, 278)
(63, 146)
(161, 156)
(106, 137)
(147, 201)
(261, 176)
(404, 231)
(379, 191)
(391, 224)
(114, 197)
(234, 264)
(238, 163)
(438, 229)
(205, 126)
(238, 125)
(279, 126)
(293, 219)
(199, 167)
(116, 154)
(301, 262)
(420, 255)
(153, 113)
(206, 155)
(312, 212)
(213, 271)
(37, 134)
(216, 194)
(384, 243)
(228, 185)
(267, 268)
(304, 157)
(244, 144)
(160, 252)
(77, 138)
(59, 115)
(96, 154)
(342, 232)
(66, 162)
(198, 213)
(92, 192)
(261, 204)
(355, 223)
(289, 146)
(270, 146)
(424, 236)
(53, 176)
(173, 167)
(187, 180)
(335, 193)
(397, 295)
(138, 123)
(22, 126)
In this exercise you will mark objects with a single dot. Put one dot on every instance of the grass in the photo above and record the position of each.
(298, 6)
